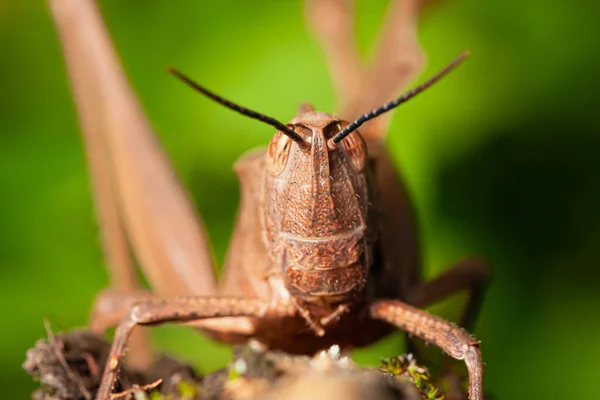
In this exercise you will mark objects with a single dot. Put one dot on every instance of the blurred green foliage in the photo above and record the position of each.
(501, 158)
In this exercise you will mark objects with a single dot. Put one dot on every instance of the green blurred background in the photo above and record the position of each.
(501, 159)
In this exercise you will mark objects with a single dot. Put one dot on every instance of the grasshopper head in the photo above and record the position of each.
(317, 208)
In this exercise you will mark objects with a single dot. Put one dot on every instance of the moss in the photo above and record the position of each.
(406, 367)
(187, 390)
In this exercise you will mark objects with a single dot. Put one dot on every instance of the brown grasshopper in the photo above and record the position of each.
(324, 249)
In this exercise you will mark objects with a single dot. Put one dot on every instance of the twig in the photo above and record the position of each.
(135, 388)
(92, 364)
(61, 358)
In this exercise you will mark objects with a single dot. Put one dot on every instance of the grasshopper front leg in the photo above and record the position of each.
(180, 310)
(471, 275)
(452, 339)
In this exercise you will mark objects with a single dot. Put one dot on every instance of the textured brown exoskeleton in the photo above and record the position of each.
(324, 250)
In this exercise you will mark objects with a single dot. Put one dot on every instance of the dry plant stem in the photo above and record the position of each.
(61, 359)
(135, 388)
(159, 311)
(452, 339)
(86, 355)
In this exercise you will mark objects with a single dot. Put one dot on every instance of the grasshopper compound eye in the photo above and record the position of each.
(355, 148)
(278, 153)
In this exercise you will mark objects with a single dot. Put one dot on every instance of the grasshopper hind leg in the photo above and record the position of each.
(142, 209)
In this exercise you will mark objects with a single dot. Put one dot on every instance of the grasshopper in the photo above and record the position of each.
(324, 249)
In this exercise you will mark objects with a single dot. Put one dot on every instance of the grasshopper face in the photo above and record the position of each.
(317, 209)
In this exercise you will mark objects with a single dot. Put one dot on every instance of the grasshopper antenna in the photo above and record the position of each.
(334, 141)
(286, 130)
